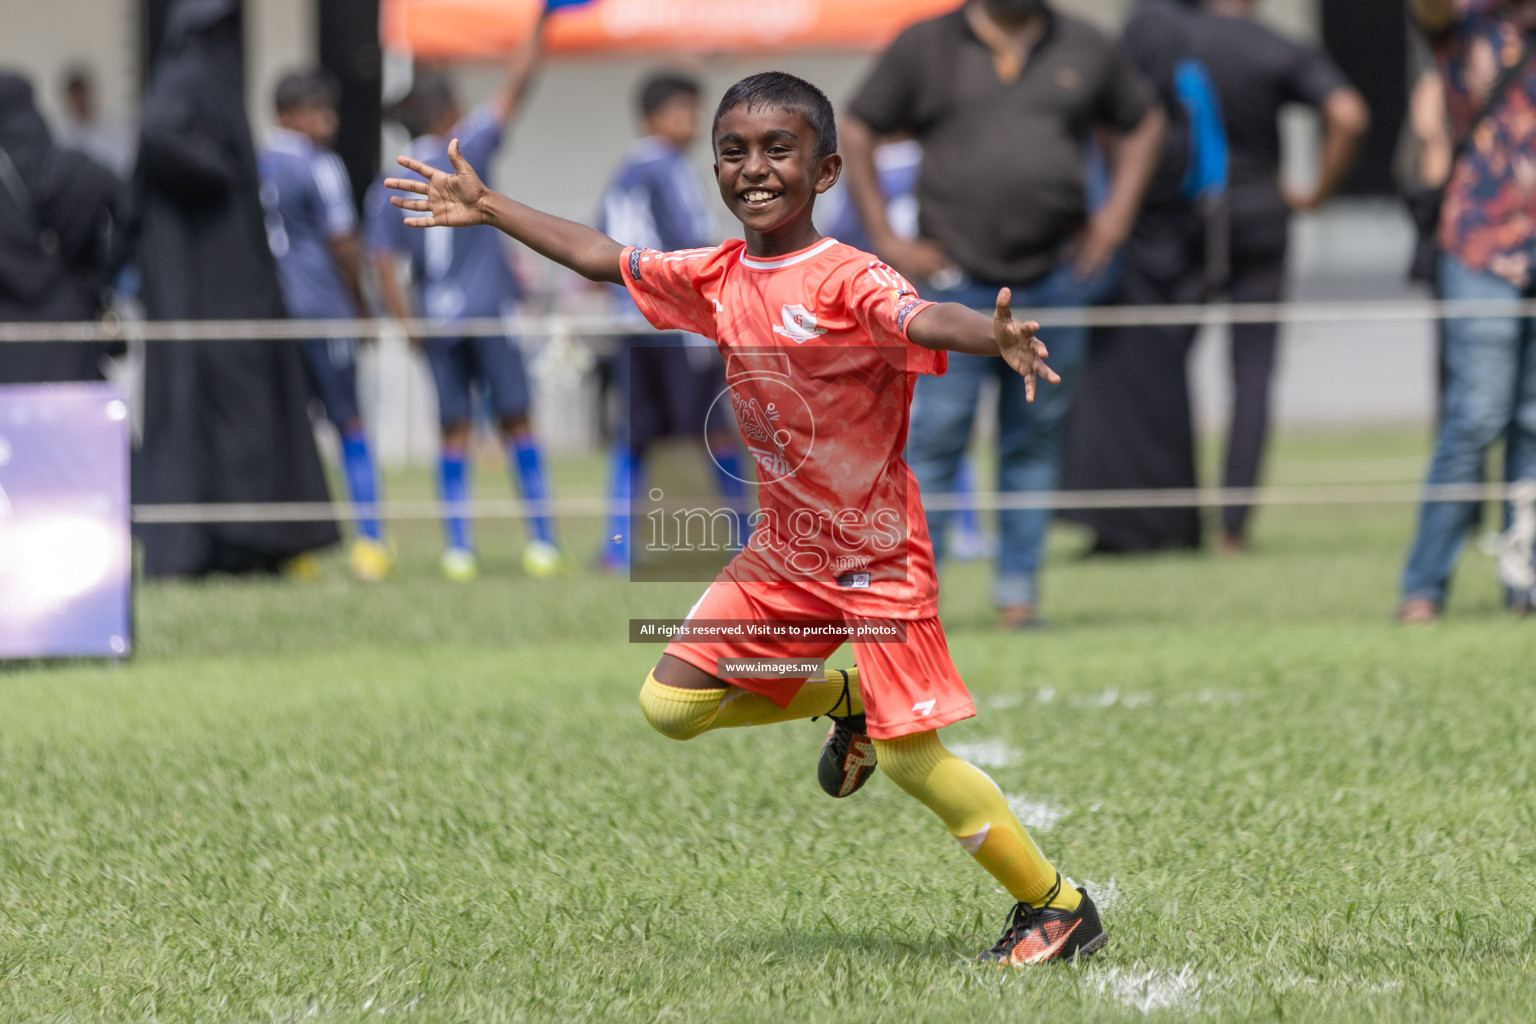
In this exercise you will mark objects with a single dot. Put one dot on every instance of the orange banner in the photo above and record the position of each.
(484, 28)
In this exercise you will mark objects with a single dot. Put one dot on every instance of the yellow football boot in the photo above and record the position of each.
(371, 560)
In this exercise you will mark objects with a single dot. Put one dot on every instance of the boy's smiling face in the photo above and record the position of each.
(769, 176)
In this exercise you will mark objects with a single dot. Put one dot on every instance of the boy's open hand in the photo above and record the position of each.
(1018, 345)
(453, 200)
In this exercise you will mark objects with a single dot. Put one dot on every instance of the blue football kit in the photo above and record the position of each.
(460, 274)
(308, 203)
(307, 200)
(669, 385)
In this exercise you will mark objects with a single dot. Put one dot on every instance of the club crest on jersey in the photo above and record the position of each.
(799, 324)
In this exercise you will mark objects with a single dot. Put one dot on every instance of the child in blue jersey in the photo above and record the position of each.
(462, 274)
(312, 231)
(669, 383)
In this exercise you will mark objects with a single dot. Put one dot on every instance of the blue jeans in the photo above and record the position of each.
(1029, 436)
(1490, 392)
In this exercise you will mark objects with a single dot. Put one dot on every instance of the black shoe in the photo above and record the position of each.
(1034, 935)
(847, 758)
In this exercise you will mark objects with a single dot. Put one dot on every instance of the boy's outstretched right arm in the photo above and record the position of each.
(460, 199)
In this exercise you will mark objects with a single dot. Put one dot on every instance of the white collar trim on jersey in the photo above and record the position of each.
(788, 261)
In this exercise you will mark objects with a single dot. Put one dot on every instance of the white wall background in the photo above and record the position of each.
(41, 38)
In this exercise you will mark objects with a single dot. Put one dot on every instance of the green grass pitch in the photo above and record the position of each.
(426, 802)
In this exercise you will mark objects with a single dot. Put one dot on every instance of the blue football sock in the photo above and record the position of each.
(453, 487)
(623, 479)
(530, 478)
(965, 515)
(362, 482)
(733, 488)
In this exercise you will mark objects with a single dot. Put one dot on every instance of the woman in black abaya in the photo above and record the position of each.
(224, 421)
(1130, 424)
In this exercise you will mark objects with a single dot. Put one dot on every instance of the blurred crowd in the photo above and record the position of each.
(1004, 144)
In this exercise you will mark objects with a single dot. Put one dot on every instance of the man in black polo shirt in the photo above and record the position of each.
(1004, 96)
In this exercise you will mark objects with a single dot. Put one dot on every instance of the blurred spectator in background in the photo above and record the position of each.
(1003, 96)
(897, 163)
(1131, 426)
(1487, 61)
(1433, 153)
(224, 421)
(312, 231)
(85, 130)
(669, 383)
(60, 240)
(1431, 130)
(460, 273)
(1257, 72)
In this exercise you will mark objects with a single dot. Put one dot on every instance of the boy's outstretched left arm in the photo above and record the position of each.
(956, 328)
(461, 199)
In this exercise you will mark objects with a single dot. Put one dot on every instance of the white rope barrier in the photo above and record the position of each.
(112, 328)
(512, 508)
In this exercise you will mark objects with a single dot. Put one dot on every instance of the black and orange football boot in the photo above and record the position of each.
(848, 755)
(1035, 935)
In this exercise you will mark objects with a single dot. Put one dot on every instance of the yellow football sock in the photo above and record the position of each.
(684, 714)
(677, 713)
(973, 809)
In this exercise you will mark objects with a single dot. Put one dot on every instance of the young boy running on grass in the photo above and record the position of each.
(823, 344)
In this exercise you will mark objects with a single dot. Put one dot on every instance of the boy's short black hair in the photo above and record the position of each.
(662, 88)
(306, 89)
(787, 92)
(430, 96)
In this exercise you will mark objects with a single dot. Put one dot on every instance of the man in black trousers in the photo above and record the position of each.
(1256, 72)
(1131, 429)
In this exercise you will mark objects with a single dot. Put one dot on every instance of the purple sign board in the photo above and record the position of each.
(65, 548)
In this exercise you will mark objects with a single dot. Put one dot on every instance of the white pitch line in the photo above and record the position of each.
(1152, 989)
(1039, 815)
(987, 753)
(1105, 894)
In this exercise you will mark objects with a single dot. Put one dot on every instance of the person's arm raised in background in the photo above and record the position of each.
(521, 69)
